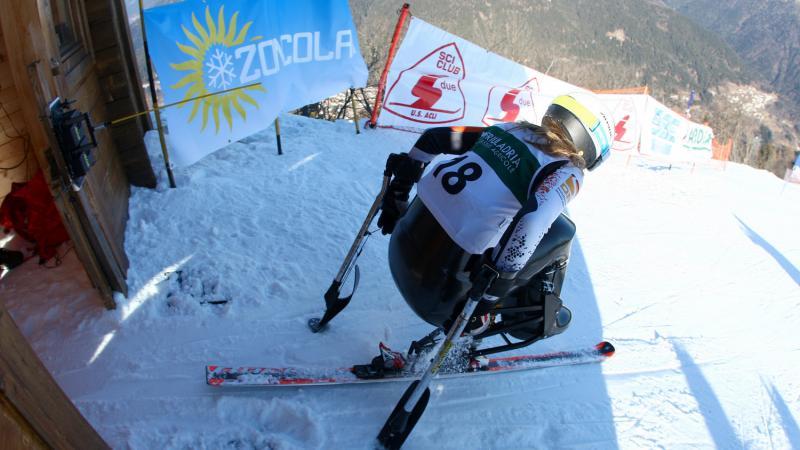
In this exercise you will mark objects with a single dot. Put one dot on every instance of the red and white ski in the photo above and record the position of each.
(218, 375)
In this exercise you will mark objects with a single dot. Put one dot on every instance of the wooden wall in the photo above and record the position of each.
(99, 75)
(15, 432)
(106, 189)
(104, 82)
(34, 411)
(14, 140)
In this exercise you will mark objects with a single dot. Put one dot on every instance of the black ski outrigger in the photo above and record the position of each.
(334, 304)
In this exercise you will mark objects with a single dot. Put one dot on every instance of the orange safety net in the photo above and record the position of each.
(632, 90)
(721, 152)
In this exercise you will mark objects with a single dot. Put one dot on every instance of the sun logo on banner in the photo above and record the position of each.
(211, 69)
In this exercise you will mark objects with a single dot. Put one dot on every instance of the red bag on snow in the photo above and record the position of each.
(29, 210)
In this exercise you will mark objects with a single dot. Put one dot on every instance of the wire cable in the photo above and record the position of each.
(19, 135)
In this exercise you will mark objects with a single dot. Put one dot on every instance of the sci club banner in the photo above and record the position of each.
(283, 55)
(627, 111)
(438, 79)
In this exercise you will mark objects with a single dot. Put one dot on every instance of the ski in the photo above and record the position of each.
(219, 375)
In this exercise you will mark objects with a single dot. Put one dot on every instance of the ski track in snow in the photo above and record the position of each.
(692, 275)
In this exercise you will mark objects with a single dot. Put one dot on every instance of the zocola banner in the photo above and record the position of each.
(440, 79)
(283, 55)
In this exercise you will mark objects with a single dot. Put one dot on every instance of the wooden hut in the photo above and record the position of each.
(78, 51)
(81, 51)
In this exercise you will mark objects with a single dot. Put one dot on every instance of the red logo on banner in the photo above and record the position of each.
(506, 105)
(621, 129)
(627, 125)
(435, 96)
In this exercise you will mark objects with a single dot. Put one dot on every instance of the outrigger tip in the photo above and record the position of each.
(315, 324)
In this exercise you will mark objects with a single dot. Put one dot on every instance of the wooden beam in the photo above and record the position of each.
(27, 385)
(112, 269)
(116, 69)
(15, 431)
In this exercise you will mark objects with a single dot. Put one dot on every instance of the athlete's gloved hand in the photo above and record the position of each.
(407, 171)
(393, 207)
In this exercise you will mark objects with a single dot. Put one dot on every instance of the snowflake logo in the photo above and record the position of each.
(220, 70)
(210, 69)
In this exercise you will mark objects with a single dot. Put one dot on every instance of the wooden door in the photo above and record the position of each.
(102, 201)
(51, 55)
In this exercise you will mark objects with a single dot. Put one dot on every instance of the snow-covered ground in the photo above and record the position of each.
(694, 275)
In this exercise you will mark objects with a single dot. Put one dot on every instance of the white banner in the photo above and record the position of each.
(628, 113)
(792, 175)
(669, 134)
(696, 141)
(440, 79)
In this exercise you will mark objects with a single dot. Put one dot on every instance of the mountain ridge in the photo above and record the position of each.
(766, 34)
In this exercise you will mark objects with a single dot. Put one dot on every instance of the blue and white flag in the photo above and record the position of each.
(300, 52)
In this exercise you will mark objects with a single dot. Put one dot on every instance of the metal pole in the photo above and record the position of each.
(365, 102)
(355, 113)
(278, 135)
(404, 11)
(154, 95)
(455, 331)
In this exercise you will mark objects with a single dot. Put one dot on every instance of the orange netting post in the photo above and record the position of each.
(721, 152)
(404, 12)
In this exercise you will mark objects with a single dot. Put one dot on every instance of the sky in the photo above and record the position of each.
(691, 270)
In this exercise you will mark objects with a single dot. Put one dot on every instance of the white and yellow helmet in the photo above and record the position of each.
(590, 126)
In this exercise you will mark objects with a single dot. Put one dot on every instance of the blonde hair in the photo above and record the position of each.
(553, 139)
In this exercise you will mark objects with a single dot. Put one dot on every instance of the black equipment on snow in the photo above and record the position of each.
(76, 139)
(334, 304)
(10, 258)
(438, 279)
(411, 406)
(433, 274)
